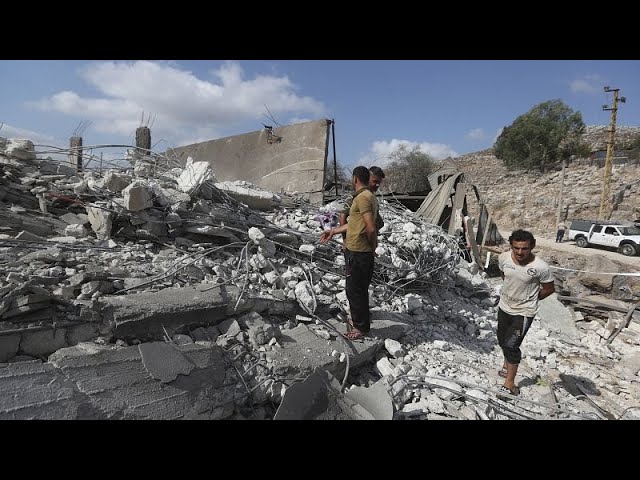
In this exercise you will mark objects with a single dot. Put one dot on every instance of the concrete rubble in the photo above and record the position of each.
(158, 293)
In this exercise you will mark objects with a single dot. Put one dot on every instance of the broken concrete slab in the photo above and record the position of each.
(375, 400)
(163, 361)
(115, 182)
(36, 390)
(119, 386)
(81, 333)
(20, 148)
(195, 174)
(8, 347)
(306, 350)
(100, 220)
(20, 313)
(42, 342)
(137, 196)
(143, 315)
(250, 195)
(319, 398)
(558, 318)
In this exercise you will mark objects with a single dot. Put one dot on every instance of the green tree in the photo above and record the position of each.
(409, 170)
(343, 174)
(542, 137)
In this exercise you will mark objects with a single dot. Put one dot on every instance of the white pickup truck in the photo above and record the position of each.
(624, 238)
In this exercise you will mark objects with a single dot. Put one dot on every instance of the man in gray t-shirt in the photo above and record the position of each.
(527, 280)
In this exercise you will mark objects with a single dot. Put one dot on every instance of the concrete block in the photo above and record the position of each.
(384, 367)
(137, 197)
(393, 347)
(81, 333)
(43, 342)
(8, 347)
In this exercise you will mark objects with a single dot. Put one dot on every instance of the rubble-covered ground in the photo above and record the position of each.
(171, 276)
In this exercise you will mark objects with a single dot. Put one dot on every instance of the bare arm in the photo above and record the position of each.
(328, 234)
(546, 290)
(370, 229)
(342, 219)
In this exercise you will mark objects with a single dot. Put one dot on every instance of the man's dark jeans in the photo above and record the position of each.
(359, 270)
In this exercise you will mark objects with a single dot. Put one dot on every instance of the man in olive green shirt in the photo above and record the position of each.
(376, 175)
(360, 245)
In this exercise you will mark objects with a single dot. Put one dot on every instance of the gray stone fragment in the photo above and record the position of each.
(164, 361)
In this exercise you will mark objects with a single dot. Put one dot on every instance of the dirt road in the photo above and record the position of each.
(570, 247)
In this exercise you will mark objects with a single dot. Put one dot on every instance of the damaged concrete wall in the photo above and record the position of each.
(290, 158)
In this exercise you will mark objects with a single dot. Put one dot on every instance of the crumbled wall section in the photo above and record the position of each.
(290, 158)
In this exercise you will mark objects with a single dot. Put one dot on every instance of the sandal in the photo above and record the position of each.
(502, 372)
(506, 390)
(345, 319)
(354, 334)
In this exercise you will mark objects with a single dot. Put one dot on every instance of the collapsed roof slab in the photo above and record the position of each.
(289, 159)
(33, 390)
(90, 381)
(143, 315)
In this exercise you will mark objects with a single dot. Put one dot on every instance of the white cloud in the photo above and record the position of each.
(9, 131)
(184, 106)
(498, 133)
(381, 149)
(589, 84)
(294, 120)
(475, 134)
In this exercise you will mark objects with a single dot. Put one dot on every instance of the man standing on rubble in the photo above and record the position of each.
(360, 245)
(376, 175)
(527, 280)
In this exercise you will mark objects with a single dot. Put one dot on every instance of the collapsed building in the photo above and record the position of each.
(177, 287)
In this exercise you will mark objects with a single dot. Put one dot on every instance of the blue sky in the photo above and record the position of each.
(447, 107)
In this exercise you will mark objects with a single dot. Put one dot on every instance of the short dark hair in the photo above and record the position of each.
(362, 174)
(522, 236)
(377, 171)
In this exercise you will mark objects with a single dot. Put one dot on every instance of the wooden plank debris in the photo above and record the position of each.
(455, 224)
(604, 305)
(471, 240)
(625, 323)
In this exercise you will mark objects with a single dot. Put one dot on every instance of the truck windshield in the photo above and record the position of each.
(630, 230)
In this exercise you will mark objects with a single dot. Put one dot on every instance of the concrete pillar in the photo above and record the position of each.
(75, 154)
(143, 140)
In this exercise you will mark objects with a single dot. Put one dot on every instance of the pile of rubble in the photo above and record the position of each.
(107, 265)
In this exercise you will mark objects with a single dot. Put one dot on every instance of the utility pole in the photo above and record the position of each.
(605, 200)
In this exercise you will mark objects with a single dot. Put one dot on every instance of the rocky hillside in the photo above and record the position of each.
(598, 135)
(520, 199)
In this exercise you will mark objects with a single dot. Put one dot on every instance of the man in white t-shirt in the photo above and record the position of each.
(527, 280)
(560, 232)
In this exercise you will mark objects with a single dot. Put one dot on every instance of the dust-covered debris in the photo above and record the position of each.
(151, 229)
